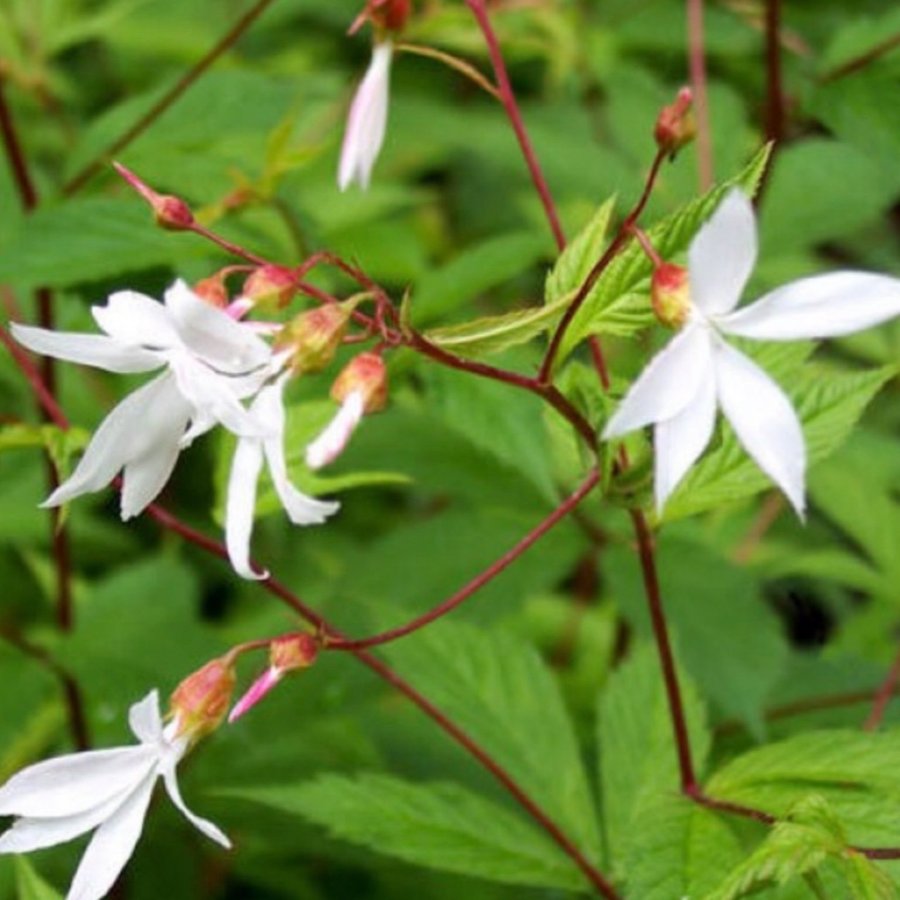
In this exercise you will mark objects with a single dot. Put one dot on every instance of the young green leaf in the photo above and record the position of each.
(30, 885)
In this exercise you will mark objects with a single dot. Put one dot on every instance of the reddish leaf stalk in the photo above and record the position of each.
(508, 98)
(883, 696)
(476, 583)
(225, 43)
(697, 64)
(775, 109)
(863, 60)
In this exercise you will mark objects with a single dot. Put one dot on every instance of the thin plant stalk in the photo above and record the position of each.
(697, 66)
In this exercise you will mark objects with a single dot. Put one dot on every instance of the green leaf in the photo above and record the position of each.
(441, 826)
(618, 304)
(61, 444)
(638, 760)
(828, 402)
(30, 885)
(497, 689)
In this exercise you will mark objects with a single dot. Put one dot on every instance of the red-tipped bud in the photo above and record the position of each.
(200, 702)
(385, 15)
(367, 375)
(670, 294)
(675, 125)
(213, 289)
(314, 336)
(271, 286)
(171, 213)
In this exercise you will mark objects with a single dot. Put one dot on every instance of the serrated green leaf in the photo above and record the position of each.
(496, 688)
(441, 826)
(829, 403)
(30, 885)
(617, 304)
(579, 257)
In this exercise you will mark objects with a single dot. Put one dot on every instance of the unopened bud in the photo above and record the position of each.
(270, 286)
(675, 125)
(312, 338)
(365, 374)
(670, 295)
(385, 15)
(200, 702)
(213, 289)
(171, 212)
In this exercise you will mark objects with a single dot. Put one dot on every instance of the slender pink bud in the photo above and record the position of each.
(675, 125)
(200, 702)
(670, 295)
(171, 212)
(314, 336)
(271, 286)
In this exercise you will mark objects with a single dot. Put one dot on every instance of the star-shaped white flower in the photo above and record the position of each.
(367, 120)
(246, 465)
(212, 362)
(699, 371)
(106, 790)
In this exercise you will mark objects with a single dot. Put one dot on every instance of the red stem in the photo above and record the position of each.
(883, 696)
(622, 236)
(476, 583)
(697, 62)
(775, 111)
(863, 60)
(508, 98)
(225, 43)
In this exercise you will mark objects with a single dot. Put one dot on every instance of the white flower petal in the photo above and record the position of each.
(245, 468)
(367, 120)
(763, 420)
(129, 431)
(722, 255)
(145, 720)
(212, 334)
(679, 441)
(86, 349)
(301, 509)
(668, 383)
(136, 320)
(818, 307)
(73, 784)
(333, 438)
(112, 845)
(204, 825)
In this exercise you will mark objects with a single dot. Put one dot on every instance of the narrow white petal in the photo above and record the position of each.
(722, 255)
(818, 307)
(204, 825)
(333, 438)
(112, 845)
(145, 720)
(213, 335)
(679, 441)
(668, 383)
(73, 784)
(763, 420)
(245, 468)
(366, 121)
(86, 349)
(301, 509)
(128, 432)
(136, 320)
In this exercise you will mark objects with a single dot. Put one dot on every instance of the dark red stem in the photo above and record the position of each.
(883, 696)
(775, 109)
(508, 98)
(476, 583)
(697, 64)
(225, 43)
(863, 60)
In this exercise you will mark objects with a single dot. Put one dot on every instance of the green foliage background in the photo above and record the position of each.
(336, 787)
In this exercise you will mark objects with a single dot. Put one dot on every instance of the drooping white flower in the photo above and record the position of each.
(334, 437)
(699, 371)
(246, 465)
(367, 120)
(107, 790)
(211, 362)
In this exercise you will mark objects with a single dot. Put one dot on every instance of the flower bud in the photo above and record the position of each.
(675, 125)
(385, 15)
(171, 212)
(213, 289)
(366, 374)
(270, 286)
(200, 702)
(670, 295)
(313, 337)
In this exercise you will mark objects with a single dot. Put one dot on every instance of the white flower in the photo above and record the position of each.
(211, 360)
(367, 120)
(333, 438)
(106, 790)
(681, 388)
(268, 409)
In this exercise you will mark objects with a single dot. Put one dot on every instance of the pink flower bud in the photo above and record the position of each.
(366, 374)
(675, 125)
(200, 702)
(670, 295)
(312, 338)
(271, 286)
(171, 212)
